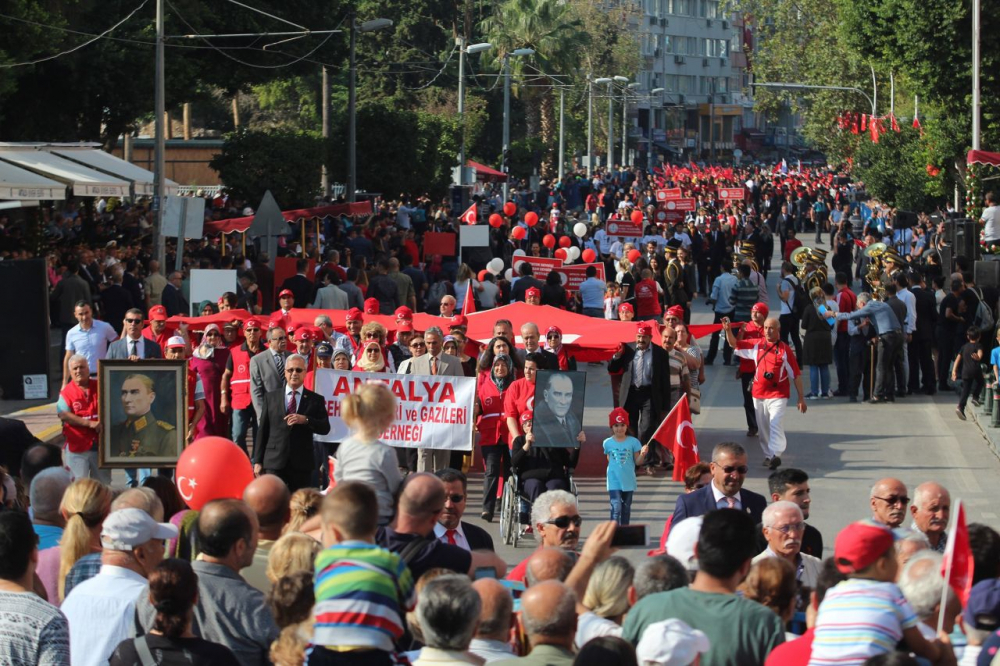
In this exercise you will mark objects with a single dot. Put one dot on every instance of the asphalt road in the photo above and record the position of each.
(844, 448)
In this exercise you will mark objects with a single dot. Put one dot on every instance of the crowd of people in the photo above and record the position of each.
(381, 566)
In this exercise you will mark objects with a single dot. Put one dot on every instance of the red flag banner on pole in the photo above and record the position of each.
(469, 304)
(957, 566)
(469, 216)
(677, 434)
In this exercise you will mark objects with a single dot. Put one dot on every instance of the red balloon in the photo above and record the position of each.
(509, 209)
(588, 256)
(634, 255)
(564, 241)
(549, 241)
(560, 254)
(495, 220)
(212, 468)
(518, 233)
(636, 217)
(482, 276)
(531, 219)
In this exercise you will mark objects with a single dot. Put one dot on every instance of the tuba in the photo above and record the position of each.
(798, 258)
(874, 252)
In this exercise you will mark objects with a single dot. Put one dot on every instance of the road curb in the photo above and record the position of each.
(991, 434)
(31, 410)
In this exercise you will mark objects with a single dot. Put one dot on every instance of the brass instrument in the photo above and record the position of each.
(746, 251)
(875, 252)
(798, 257)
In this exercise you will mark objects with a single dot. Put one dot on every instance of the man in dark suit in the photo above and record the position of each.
(289, 419)
(133, 344)
(717, 254)
(921, 361)
(450, 527)
(172, 298)
(729, 470)
(300, 285)
(645, 387)
(525, 282)
(554, 422)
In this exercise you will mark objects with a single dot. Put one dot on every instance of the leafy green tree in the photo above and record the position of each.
(287, 163)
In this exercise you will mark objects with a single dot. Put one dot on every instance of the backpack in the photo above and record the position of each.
(799, 301)
(984, 316)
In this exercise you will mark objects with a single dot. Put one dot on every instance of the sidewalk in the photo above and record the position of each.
(41, 421)
(982, 420)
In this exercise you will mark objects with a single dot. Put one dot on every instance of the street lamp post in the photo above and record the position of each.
(462, 51)
(368, 26)
(562, 111)
(506, 116)
(590, 119)
(631, 86)
(652, 126)
(611, 117)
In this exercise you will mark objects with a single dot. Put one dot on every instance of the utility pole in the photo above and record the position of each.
(611, 125)
(976, 27)
(325, 177)
(562, 145)
(505, 167)
(461, 108)
(590, 123)
(352, 176)
(624, 125)
(159, 159)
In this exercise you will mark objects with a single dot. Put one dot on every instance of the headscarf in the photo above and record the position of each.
(204, 350)
(503, 382)
(365, 365)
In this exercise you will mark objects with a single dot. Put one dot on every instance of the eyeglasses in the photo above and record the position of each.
(562, 522)
(296, 370)
(133, 321)
(788, 529)
(895, 499)
(212, 334)
(454, 499)
(251, 330)
(370, 335)
(553, 335)
(742, 469)
(417, 345)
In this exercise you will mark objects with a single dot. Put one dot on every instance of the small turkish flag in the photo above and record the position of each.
(469, 216)
(957, 566)
(469, 304)
(677, 434)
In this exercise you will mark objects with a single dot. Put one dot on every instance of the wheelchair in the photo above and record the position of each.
(510, 507)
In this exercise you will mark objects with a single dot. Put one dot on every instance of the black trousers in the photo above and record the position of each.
(643, 420)
(890, 355)
(921, 366)
(496, 460)
(713, 346)
(970, 386)
(946, 356)
(293, 478)
(746, 379)
(860, 367)
(842, 358)
(790, 331)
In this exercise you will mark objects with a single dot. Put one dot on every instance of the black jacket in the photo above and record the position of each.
(302, 288)
(280, 446)
(927, 313)
(660, 376)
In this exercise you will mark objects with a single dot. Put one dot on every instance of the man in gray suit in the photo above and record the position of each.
(133, 345)
(330, 296)
(267, 369)
(435, 362)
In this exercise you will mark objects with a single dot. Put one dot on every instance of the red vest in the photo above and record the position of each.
(240, 381)
(83, 403)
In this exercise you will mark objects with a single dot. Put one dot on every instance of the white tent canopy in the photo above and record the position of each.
(17, 184)
(86, 182)
(91, 157)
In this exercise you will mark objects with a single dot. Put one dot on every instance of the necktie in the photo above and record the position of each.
(279, 361)
(730, 502)
(135, 345)
(637, 378)
(449, 535)
(291, 403)
(434, 365)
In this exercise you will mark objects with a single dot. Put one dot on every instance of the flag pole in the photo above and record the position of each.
(949, 552)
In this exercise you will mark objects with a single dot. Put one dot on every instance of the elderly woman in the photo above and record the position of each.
(689, 348)
(554, 343)
(606, 600)
(817, 345)
(494, 440)
(208, 360)
(375, 332)
(371, 358)
(454, 344)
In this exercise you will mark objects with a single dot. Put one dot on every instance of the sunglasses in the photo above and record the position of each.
(133, 321)
(562, 522)
(252, 330)
(295, 370)
(895, 499)
(742, 469)
(212, 334)
(455, 499)
(371, 335)
(415, 345)
(553, 335)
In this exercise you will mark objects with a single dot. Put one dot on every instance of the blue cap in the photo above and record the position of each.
(983, 609)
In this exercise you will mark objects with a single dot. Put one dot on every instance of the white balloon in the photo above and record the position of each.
(580, 229)
(495, 266)
(509, 274)
(574, 252)
(519, 253)
(568, 259)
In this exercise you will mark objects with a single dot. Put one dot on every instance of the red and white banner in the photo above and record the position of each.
(684, 205)
(731, 193)
(574, 274)
(540, 266)
(432, 412)
(670, 193)
(624, 228)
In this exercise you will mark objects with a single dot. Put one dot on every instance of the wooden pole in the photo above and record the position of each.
(222, 242)
(186, 127)
(244, 240)
(303, 239)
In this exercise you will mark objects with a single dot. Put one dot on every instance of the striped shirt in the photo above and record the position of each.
(859, 619)
(362, 592)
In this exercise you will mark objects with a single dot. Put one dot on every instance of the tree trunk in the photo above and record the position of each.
(548, 122)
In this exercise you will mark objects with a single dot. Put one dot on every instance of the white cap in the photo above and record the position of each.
(682, 540)
(671, 643)
(176, 341)
(126, 529)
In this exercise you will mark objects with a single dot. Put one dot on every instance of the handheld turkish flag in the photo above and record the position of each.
(469, 304)
(469, 216)
(957, 566)
(677, 434)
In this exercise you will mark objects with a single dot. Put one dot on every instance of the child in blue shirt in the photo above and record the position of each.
(623, 451)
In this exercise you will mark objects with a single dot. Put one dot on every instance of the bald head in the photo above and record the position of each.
(144, 499)
(420, 503)
(497, 610)
(268, 497)
(548, 563)
(226, 532)
(549, 613)
(888, 501)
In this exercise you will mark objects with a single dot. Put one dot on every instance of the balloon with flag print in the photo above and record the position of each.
(212, 468)
(676, 433)
(509, 209)
(496, 221)
(531, 219)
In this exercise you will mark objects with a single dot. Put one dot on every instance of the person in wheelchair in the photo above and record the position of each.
(539, 469)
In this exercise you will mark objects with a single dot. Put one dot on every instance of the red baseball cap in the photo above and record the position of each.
(286, 292)
(861, 544)
(404, 327)
(251, 323)
(760, 307)
(532, 291)
(617, 416)
(302, 334)
(157, 313)
(675, 311)
(643, 328)
(355, 314)
(458, 320)
(371, 306)
(403, 312)
(626, 307)
(526, 416)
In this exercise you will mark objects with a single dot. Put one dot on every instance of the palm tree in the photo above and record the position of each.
(548, 27)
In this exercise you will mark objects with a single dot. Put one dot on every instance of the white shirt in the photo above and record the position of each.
(910, 301)
(490, 650)
(140, 345)
(590, 625)
(719, 497)
(991, 216)
(101, 612)
(460, 540)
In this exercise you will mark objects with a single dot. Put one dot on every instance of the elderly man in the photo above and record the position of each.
(660, 573)
(793, 485)
(923, 585)
(229, 611)
(774, 367)
(531, 339)
(930, 510)
(102, 610)
(421, 501)
(890, 342)
(784, 526)
(450, 527)
(491, 642)
(888, 500)
(908, 543)
(548, 612)
(78, 411)
(447, 306)
(729, 471)
(268, 497)
(556, 519)
(448, 612)
(45, 495)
